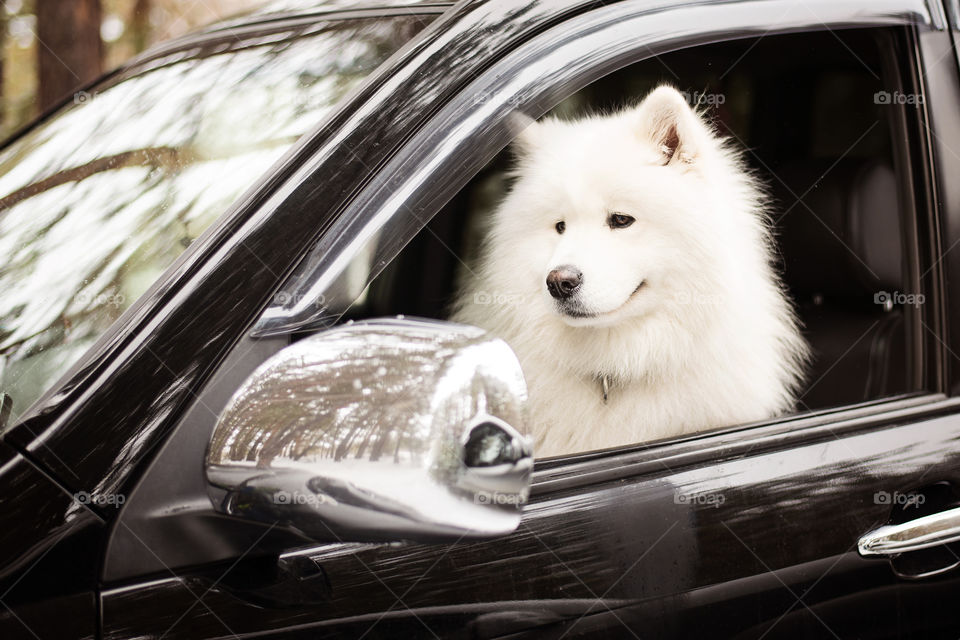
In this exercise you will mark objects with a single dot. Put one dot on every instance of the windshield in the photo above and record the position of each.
(97, 201)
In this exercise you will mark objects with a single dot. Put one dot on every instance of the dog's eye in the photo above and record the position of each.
(560, 226)
(619, 220)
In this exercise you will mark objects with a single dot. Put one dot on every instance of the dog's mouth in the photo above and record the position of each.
(573, 309)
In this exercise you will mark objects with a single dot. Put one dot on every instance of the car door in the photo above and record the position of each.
(746, 531)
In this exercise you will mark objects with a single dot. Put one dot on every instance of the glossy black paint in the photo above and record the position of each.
(170, 505)
(941, 87)
(606, 543)
(49, 555)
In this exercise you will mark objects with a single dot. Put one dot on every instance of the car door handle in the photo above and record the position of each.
(928, 531)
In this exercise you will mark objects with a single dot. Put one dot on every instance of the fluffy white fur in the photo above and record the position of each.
(708, 339)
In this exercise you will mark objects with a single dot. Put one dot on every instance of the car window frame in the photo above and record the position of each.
(433, 150)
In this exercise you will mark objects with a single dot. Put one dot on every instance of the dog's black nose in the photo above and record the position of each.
(564, 281)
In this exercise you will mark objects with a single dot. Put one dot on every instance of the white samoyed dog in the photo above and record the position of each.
(630, 269)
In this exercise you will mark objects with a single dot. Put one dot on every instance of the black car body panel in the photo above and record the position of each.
(606, 545)
(50, 554)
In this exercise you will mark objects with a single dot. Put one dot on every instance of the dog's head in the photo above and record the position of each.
(612, 212)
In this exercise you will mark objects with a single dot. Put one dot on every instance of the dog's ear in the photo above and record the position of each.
(665, 119)
(527, 133)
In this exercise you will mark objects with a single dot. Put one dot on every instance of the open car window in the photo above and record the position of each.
(818, 115)
(100, 198)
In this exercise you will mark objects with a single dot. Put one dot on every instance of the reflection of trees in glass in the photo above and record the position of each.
(100, 199)
(354, 397)
(326, 409)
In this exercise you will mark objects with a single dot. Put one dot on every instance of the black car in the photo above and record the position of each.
(187, 241)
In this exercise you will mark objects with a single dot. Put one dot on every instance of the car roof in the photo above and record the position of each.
(279, 15)
(282, 10)
(274, 7)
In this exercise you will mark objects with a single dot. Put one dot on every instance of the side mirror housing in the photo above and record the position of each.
(378, 430)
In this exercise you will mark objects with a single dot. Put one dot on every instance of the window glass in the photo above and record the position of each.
(100, 198)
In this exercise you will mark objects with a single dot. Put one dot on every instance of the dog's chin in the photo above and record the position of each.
(575, 314)
(595, 321)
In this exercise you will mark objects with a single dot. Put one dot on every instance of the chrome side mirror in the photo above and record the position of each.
(378, 430)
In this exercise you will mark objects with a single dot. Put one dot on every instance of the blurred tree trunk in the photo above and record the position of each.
(3, 49)
(69, 51)
(141, 25)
